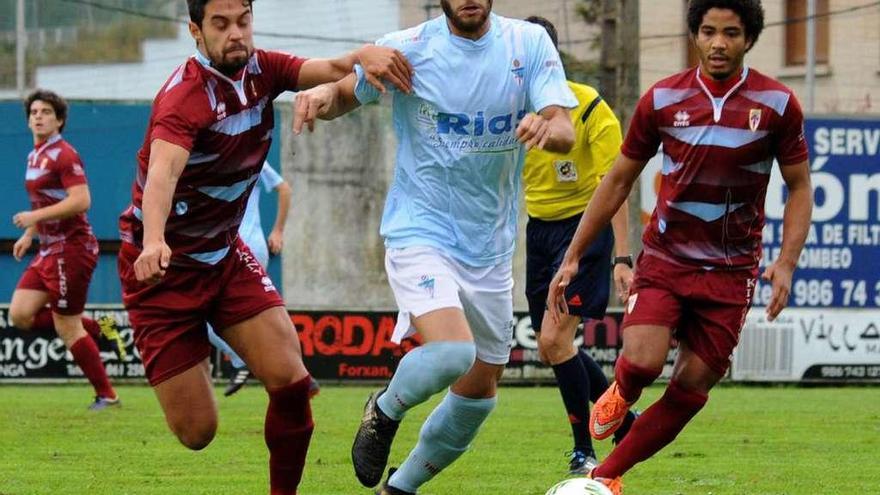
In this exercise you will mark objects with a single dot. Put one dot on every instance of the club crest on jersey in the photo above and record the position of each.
(754, 119)
(566, 171)
(518, 70)
(682, 119)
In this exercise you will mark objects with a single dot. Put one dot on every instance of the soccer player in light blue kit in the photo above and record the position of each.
(485, 89)
(251, 233)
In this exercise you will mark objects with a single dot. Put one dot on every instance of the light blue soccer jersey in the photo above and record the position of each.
(456, 185)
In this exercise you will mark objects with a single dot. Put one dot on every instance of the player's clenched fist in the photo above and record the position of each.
(533, 131)
(153, 262)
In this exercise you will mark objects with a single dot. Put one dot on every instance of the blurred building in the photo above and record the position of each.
(847, 50)
(575, 36)
(311, 28)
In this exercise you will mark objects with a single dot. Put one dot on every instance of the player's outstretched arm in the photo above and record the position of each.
(325, 102)
(795, 227)
(550, 129)
(77, 201)
(610, 195)
(380, 64)
(167, 161)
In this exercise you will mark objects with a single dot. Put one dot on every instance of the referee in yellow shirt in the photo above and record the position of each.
(558, 188)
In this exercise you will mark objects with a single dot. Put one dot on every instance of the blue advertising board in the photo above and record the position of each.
(107, 136)
(838, 267)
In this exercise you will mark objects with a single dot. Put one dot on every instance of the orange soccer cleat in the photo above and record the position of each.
(613, 484)
(608, 413)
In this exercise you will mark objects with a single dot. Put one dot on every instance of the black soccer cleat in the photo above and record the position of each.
(390, 490)
(237, 381)
(372, 443)
(628, 421)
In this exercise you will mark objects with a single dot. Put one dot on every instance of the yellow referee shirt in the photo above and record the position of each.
(559, 186)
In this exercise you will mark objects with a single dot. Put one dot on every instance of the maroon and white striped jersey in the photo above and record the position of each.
(226, 124)
(719, 144)
(52, 168)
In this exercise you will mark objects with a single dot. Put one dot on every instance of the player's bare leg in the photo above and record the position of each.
(685, 396)
(269, 345)
(187, 399)
(448, 353)
(28, 311)
(556, 348)
(26, 303)
(644, 353)
(87, 357)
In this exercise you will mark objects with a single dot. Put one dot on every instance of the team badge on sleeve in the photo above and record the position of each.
(754, 119)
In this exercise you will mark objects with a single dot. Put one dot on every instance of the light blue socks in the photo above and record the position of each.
(423, 372)
(445, 436)
(221, 344)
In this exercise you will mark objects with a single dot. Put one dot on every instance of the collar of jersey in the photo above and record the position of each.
(237, 85)
(468, 44)
(39, 147)
(718, 103)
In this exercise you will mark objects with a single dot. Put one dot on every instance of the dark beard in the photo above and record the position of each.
(229, 69)
(459, 24)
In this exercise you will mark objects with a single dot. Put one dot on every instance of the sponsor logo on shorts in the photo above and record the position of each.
(268, 286)
(631, 303)
(427, 283)
(575, 301)
(62, 282)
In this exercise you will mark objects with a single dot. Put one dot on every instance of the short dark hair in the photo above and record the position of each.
(751, 12)
(546, 24)
(197, 9)
(56, 101)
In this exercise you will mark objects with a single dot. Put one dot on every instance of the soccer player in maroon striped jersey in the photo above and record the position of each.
(59, 275)
(182, 263)
(721, 125)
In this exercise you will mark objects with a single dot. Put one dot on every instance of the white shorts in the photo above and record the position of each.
(424, 279)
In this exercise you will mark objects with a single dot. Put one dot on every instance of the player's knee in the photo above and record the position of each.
(553, 348)
(21, 320)
(699, 383)
(197, 436)
(453, 359)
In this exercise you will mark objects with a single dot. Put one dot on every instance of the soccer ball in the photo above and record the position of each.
(579, 486)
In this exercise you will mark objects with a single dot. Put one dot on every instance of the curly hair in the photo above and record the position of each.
(751, 12)
(53, 99)
(197, 9)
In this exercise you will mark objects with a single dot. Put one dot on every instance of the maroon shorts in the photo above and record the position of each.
(169, 317)
(65, 276)
(706, 308)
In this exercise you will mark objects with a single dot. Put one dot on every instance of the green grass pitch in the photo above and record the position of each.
(748, 440)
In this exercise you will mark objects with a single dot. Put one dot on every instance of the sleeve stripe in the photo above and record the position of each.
(590, 109)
